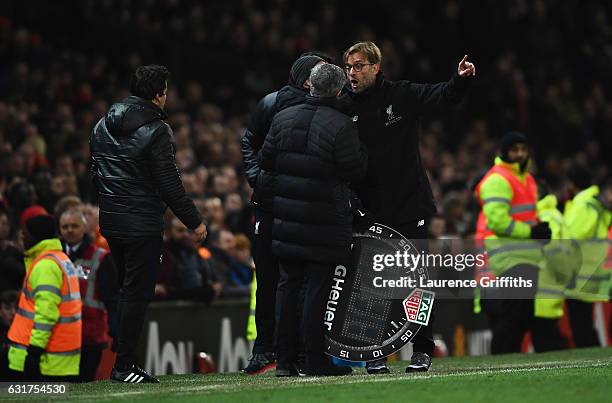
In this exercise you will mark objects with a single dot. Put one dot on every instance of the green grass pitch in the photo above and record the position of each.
(583, 376)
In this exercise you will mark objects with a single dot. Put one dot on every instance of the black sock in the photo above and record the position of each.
(122, 366)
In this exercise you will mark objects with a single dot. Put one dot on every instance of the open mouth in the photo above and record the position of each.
(354, 83)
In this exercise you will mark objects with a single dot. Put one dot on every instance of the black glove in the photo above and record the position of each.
(31, 368)
(541, 231)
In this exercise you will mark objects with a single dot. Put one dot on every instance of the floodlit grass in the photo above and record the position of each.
(583, 376)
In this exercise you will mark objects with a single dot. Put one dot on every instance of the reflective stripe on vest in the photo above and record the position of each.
(66, 332)
(70, 352)
(513, 247)
(522, 208)
(522, 205)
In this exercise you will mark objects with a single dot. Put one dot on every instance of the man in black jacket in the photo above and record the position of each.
(266, 264)
(396, 190)
(310, 155)
(135, 174)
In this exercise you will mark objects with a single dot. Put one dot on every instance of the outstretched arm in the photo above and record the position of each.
(445, 93)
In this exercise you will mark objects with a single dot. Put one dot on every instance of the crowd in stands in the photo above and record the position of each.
(543, 69)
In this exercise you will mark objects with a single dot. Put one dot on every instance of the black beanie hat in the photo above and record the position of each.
(300, 71)
(510, 139)
(41, 227)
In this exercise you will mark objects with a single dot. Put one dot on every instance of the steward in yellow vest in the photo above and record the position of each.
(509, 229)
(554, 274)
(45, 336)
(588, 222)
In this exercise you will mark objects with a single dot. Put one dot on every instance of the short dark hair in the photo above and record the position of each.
(149, 81)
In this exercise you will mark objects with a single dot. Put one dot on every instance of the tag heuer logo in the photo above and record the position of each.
(417, 306)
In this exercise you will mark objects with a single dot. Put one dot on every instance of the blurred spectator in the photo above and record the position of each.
(214, 214)
(12, 269)
(99, 289)
(8, 304)
(437, 227)
(184, 273)
(236, 277)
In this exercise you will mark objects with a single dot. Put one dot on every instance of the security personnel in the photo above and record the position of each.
(264, 299)
(251, 333)
(45, 336)
(507, 221)
(553, 278)
(588, 221)
(99, 290)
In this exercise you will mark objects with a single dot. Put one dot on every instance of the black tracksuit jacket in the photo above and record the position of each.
(396, 189)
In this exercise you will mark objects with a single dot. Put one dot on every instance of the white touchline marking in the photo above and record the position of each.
(272, 383)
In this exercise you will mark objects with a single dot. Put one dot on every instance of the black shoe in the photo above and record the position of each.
(135, 374)
(329, 370)
(260, 363)
(377, 367)
(292, 369)
(420, 362)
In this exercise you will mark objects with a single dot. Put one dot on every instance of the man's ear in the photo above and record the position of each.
(306, 84)
(376, 67)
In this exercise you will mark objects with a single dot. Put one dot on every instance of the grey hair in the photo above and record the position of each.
(75, 212)
(326, 80)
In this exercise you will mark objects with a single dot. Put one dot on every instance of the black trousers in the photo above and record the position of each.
(138, 261)
(316, 280)
(416, 231)
(511, 314)
(283, 282)
(17, 376)
(581, 322)
(91, 354)
(267, 274)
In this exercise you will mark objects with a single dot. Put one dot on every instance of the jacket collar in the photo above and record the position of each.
(373, 90)
(295, 88)
(146, 104)
(332, 101)
(43, 246)
(513, 167)
(85, 242)
(589, 193)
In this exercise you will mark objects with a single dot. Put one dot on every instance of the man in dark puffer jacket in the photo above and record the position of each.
(133, 168)
(266, 264)
(309, 157)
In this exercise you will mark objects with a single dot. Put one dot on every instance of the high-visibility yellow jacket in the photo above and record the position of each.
(49, 312)
(554, 272)
(251, 325)
(588, 222)
(508, 199)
